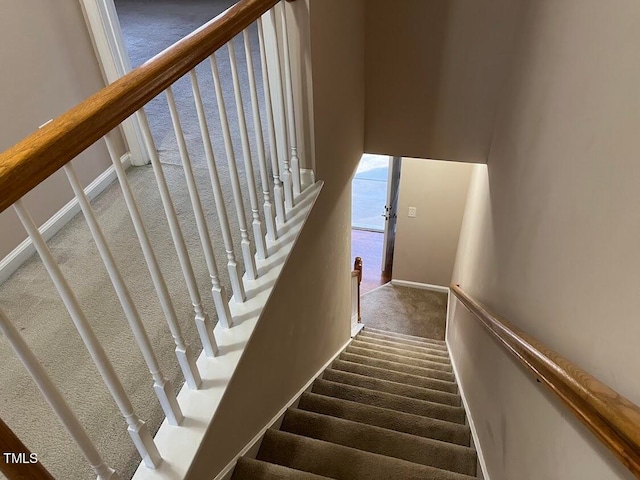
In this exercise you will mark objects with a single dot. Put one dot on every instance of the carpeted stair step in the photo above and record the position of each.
(393, 376)
(404, 341)
(401, 389)
(362, 343)
(425, 451)
(400, 358)
(250, 469)
(389, 401)
(405, 336)
(402, 346)
(385, 418)
(343, 463)
(398, 366)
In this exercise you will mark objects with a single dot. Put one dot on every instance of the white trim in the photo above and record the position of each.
(423, 286)
(20, 254)
(227, 471)
(472, 425)
(375, 289)
(356, 330)
(108, 42)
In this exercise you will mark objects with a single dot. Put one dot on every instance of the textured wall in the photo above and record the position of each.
(425, 248)
(550, 237)
(48, 66)
(434, 73)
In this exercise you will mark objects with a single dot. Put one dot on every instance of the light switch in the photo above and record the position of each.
(412, 212)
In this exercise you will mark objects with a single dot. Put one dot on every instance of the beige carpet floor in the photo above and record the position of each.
(411, 311)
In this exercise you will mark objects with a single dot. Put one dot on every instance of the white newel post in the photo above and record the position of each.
(237, 286)
(286, 172)
(137, 428)
(295, 161)
(218, 291)
(183, 351)
(245, 242)
(203, 322)
(163, 388)
(258, 234)
(278, 193)
(269, 214)
(53, 396)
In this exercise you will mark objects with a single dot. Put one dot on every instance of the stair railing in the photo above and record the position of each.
(32, 160)
(356, 280)
(612, 418)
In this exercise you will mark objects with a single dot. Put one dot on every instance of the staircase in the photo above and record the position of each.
(387, 408)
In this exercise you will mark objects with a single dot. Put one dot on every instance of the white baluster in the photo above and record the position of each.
(137, 428)
(245, 242)
(269, 214)
(163, 388)
(218, 291)
(183, 351)
(237, 286)
(53, 396)
(275, 166)
(258, 234)
(203, 322)
(286, 172)
(295, 161)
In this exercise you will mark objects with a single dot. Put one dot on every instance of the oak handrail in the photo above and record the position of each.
(32, 160)
(10, 443)
(612, 418)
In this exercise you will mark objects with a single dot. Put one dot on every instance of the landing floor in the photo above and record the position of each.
(405, 310)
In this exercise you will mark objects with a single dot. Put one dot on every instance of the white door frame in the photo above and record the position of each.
(104, 27)
(103, 24)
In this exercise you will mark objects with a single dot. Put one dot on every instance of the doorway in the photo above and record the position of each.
(374, 212)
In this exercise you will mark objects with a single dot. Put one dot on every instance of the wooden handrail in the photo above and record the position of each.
(10, 443)
(32, 160)
(357, 272)
(613, 419)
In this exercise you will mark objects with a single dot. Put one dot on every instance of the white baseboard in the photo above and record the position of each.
(356, 330)
(20, 254)
(424, 286)
(251, 449)
(474, 433)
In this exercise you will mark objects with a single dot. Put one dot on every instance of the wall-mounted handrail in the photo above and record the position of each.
(612, 418)
(36, 157)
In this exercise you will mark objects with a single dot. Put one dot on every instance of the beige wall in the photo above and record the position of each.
(425, 247)
(434, 72)
(48, 66)
(550, 237)
(307, 318)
